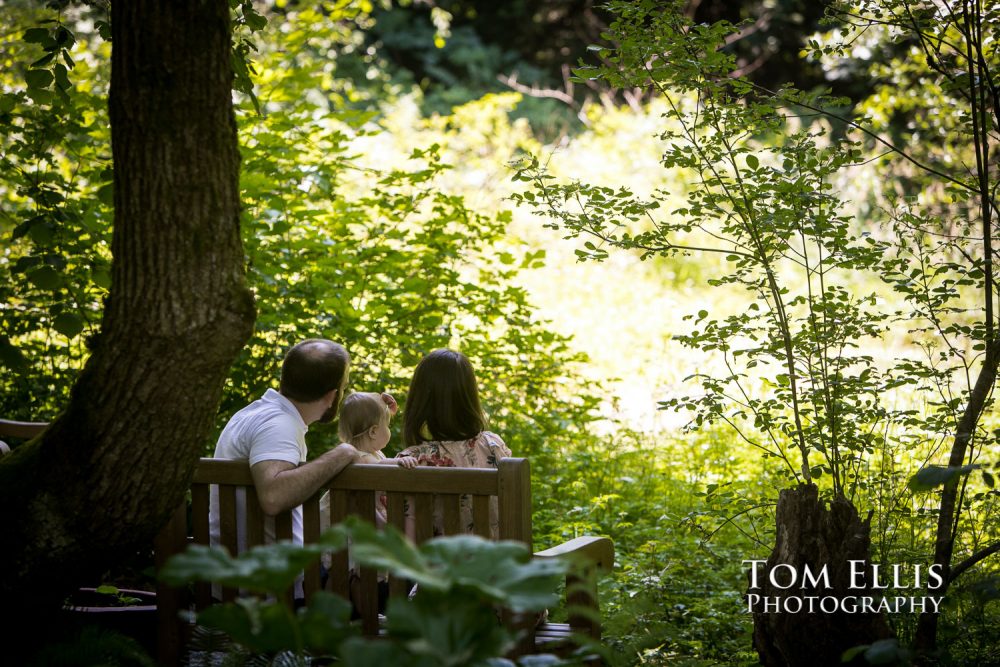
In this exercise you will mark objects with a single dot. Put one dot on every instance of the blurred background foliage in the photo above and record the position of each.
(376, 139)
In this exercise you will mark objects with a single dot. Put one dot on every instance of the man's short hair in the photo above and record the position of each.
(312, 368)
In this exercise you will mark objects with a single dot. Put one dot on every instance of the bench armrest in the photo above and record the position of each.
(597, 551)
(16, 429)
(589, 557)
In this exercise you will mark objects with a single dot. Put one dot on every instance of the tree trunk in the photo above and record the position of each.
(104, 477)
(925, 640)
(809, 534)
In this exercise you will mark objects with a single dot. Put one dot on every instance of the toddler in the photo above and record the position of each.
(364, 423)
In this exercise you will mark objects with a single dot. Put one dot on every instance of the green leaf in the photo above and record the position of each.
(258, 625)
(11, 357)
(38, 78)
(253, 20)
(106, 193)
(101, 277)
(64, 38)
(452, 630)
(62, 76)
(752, 161)
(41, 95)
(270, 568)
(389, 550)
(45, 277)
(500, 571)
(44, 60)
(932, 477)
(325, 623)
(104, 30)
(988, 480)
(41, 233)
(37, 36)
(358, 652)
(68, 324)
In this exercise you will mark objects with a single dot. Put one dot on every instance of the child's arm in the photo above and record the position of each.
(402, 461)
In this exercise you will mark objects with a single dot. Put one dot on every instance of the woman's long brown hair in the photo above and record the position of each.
(444, 396)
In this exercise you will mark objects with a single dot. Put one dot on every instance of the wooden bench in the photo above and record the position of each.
(21, 430)
(434, 494)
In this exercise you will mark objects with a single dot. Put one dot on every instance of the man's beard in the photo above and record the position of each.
(330, 414)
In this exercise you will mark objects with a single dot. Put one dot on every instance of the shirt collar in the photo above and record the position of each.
(272, 396)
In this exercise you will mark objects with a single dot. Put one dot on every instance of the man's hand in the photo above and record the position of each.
(348, 450)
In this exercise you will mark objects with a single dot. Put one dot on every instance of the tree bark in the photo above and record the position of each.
(104, 477)
(809, 534)
(925, 639)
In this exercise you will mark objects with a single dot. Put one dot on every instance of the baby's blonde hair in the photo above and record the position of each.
(361, 411)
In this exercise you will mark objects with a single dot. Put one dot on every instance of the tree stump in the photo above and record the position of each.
(810, 535)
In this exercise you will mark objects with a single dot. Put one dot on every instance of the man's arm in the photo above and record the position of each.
(282, 485)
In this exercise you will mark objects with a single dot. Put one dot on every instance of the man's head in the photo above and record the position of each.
(316, 370)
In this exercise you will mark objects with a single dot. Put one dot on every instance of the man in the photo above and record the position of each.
(270, 434)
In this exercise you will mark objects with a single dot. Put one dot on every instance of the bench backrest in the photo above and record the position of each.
(21, 430)
(433, 496)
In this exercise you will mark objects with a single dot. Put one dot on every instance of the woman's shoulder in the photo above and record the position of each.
(490, 439)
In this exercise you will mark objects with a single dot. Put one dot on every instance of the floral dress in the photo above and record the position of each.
(483, 451)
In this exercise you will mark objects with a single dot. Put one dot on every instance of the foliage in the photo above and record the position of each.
(449, 620)
(90, 646)
(796, 374)
(56, 194)
(346, 237)
(380, 259)
(120, 597)
(456, 51)
(769, 209)
(674, 595)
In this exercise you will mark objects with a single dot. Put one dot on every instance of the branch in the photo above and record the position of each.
(972, 560)
(871, 133)
(534, 91)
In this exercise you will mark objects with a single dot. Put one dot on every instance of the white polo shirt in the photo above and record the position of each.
(269, 429)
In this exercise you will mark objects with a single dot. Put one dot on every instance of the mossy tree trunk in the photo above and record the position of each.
(104, 477)
(809, 534)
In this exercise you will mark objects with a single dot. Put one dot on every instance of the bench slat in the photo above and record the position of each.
(338, 578)
(396, 514)
(416, 480)
(255, 519)
(481, 516)
(220, 471)
(228, 531)
(310, 535)
(452, 514)
(199, 531)
(515, 500)
(423, 517)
